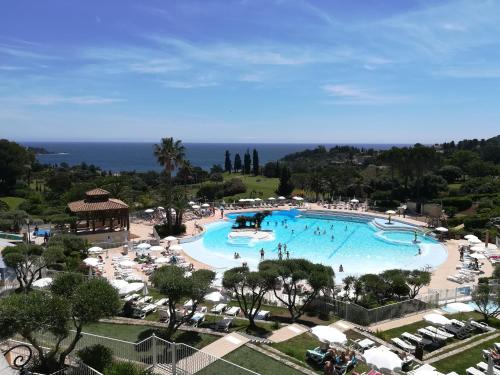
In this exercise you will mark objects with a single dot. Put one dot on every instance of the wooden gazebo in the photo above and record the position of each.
(100, 211)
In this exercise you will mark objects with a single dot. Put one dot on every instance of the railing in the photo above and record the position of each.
(453, 295)
(360, 315)
(150, 353)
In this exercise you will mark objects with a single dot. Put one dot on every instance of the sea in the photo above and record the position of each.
(121, 156)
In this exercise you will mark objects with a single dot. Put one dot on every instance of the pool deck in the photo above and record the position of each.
(439, 275)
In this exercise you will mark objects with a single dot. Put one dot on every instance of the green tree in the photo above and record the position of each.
(249, 288)
(15, 164)
(228, 166)
(237, 162)
(28, 261)
(255, 162)
(285, 186)
(487, 300)
(173, 283)
(416, 280)
(247, 162)
(171, 155)
(72, 303)
(291, 273)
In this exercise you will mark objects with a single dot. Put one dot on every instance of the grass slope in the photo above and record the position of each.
(12, 202)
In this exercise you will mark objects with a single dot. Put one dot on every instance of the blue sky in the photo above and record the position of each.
(250, 70)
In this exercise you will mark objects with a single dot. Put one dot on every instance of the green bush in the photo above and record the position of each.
(475, 221)
(97, 356)
(460, 203)
(163, 231)
(124, 368)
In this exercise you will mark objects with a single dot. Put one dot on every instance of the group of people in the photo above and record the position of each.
(337, 360)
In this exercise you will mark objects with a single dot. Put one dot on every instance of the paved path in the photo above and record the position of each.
(403, 321)
(342, 325)
(225, 345)
(288, 332)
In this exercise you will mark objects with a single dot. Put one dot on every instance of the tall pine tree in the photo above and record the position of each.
(228, 166)
(247, 162)
(285, 186)
(237, 162)
(255, 162)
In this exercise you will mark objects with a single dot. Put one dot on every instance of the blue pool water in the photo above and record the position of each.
(41, 232)
(350, 241)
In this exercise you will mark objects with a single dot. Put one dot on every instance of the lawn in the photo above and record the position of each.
(298, 346)
(12, 202)
(135, 333)
(465, 359)
(257, 186)
(250, 359)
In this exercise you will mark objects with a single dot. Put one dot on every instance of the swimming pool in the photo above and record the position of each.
(329, 239)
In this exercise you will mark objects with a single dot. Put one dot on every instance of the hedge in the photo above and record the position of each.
(460, 203)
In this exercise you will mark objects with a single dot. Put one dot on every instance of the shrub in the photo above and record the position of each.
(459, 203)
(124, 368)
(233, 187)
(163, 230)
(97, 356)
(475, 221)
(216, 177)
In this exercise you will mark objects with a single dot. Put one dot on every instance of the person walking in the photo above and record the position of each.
(262, 254)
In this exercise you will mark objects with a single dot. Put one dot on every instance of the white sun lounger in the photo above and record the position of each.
(415, 338)
(483, 366)
(440, 332)
(261, 314)
(161, 302)
(403, 345)
(145, 299)
(233, 311)
(149, 308)
(219, 309)
(482, 326)
(432, 335)
(474, 371)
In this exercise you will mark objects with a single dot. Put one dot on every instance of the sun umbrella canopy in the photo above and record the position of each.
(390, 212)
(91, 262)
(127, 263)
(125, 288)
(281, 198)
(469, 236)
(162, 260)
(492, 246)
(441, 229)
(271, 199)
(42, 283)
(475, 240)
(156, 248)
(170, 238)
(437, 319)
(188, 304)
(258, 199)
(195, 206)
(95, 249)
(160, 208)
(215, 297)
(176, 248)
(478, 248)
(143, 246)
(459, 307)
(329, 334)
(477, 256)
(354, 200)
(382, 358)
(205, 205)
(149, 211)
(191, 203)
(298, 198)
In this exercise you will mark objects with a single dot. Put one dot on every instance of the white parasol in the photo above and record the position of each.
(441, 229)
(42, 283)
(91, 262)
(128, 263)
(215, 297)
(95, 249)
(437, 319)
(329, 334)
(143, 246)
(382, 358)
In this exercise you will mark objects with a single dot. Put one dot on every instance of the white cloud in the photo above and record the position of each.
(77, 100)
(350, 94)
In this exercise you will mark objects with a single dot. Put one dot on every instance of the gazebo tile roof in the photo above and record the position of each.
(87, 206)
(96, 192)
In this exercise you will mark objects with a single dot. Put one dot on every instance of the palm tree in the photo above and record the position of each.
(170, 154)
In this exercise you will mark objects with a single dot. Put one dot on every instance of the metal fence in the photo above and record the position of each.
(365, 317)
(459, 294)
(151, 353)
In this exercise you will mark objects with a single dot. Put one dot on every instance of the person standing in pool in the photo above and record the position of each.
(280, 255)
(279, 246)
(341, 268)
(284, 247)
(287, 254)
(262, 254)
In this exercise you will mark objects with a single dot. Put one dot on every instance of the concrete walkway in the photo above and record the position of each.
(342, 325)
(403, 321)
(288, 332)
(225, 345)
